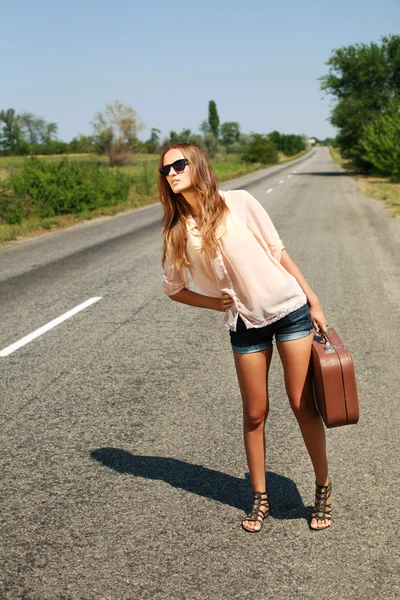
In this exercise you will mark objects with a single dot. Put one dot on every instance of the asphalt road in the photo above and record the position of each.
(123, 468)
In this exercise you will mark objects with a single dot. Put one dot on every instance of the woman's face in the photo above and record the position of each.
(180, 181)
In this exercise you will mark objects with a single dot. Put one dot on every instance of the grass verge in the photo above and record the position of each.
(378, 188)
(35, 226)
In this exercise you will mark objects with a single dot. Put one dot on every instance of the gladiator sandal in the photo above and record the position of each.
(322, 511)
(257, 514)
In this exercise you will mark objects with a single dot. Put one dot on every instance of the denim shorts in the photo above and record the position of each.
(295, 325)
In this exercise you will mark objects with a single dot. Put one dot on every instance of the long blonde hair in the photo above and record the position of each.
(213, 209)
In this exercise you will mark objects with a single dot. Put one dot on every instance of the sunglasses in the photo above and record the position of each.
(179, 166)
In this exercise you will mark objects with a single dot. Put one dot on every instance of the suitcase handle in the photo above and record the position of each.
(328, 346)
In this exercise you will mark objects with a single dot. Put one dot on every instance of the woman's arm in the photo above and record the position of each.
(176, 286)
(316, 312)
(194, 299)
(294, 270)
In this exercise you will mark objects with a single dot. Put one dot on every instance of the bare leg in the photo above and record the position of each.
(252, 372)
(295, 357)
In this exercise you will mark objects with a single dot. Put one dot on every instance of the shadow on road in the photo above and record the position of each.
(285, 499)
(329, 174)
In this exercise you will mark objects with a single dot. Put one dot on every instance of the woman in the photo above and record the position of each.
(233, 252)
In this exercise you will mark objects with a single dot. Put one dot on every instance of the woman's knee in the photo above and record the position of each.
(255, 416)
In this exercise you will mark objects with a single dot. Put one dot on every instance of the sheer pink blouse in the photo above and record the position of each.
(247, 266)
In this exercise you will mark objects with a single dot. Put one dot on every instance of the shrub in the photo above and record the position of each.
(260, 150)
(45, 189)
(288, 144)
(117, 158)
(380, 142)
(50, 147)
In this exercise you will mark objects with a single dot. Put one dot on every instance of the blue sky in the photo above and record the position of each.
(258, 60)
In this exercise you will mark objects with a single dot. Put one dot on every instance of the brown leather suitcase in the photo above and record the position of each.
(334, 381)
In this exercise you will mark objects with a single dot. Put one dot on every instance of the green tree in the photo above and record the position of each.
(362, 78)
(115, 132)
(289, 144)
(11, 133)
(260, 150)
(325, 142)
(33, 126)
(213, 118)
(381, 141)
(211, 137)
(37, 130)
(275, 137)
(185, 135)
(205, 127)
(153, 143)
(292, 144)
(50, 133)
(82, 144)
(51, 147)
(230, 133)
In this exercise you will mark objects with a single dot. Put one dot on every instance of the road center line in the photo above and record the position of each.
(270, 190)
(31, 336)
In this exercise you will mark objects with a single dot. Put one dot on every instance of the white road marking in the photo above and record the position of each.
(270, 190)
(289, 176)
(31, 336)
(281, 181)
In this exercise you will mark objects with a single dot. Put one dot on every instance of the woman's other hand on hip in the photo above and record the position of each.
(226, 302)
